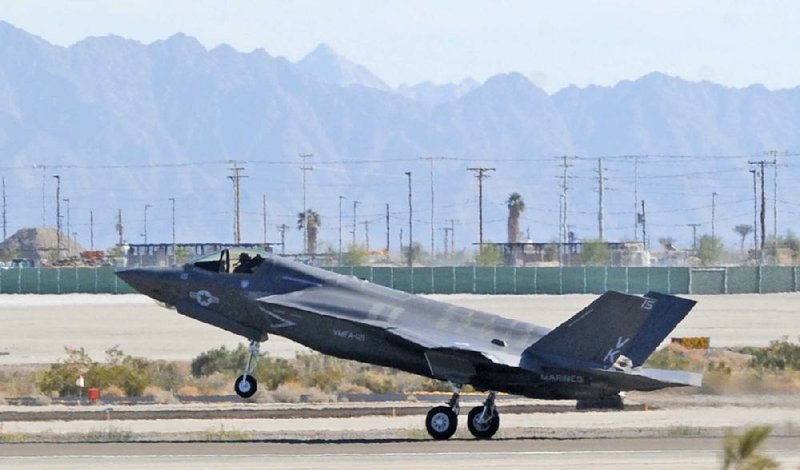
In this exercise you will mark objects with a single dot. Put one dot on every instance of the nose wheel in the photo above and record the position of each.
(246, 385)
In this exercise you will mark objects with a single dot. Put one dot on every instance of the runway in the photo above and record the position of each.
(653, 453)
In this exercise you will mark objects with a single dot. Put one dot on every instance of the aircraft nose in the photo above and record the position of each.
(139, 279)
(150, 282)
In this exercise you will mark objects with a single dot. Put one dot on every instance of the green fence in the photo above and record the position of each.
(67, 280)
(469, 280)
(507, 280)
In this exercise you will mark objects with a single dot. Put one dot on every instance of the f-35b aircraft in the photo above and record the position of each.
(591, 357)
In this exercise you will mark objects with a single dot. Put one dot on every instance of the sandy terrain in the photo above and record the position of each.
(36, 328)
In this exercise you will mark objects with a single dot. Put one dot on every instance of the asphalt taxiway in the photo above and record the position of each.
(651, 453)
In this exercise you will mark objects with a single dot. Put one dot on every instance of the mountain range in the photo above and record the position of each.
(126, 124)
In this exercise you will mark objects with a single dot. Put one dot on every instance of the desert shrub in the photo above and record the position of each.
(131, 374)
(189, 391)
(273, 371)
(376, 382)
(112, 391)
(168, 375)
(289, 392)
(675, 357)
(270, 371)
(779, 355)
(221, 359)
(159, 395)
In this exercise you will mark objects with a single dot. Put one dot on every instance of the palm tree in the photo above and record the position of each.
(516, 206)
(743, 230)
(312, 221)
(744, 452)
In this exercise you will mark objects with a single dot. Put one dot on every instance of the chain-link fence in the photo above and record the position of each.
(468, 280)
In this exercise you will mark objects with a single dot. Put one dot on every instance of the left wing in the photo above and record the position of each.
(390, 313)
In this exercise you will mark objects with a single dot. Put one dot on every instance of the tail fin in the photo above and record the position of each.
(614, 325)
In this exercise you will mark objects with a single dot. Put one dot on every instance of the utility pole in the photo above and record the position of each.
(339, 259)
(601, 196)
(69, 243)
(644, 226)
(452, 236)
(480, 173)
(565, 165)
(5, 222)
(91, 230)
(761, 164)
(410, 226)
(146, 206)
(447, 250)
(635, 195)
(44, 192)
(694, 236)
(120, 228)
(174, 246)
(387, 232)
(305, 168)
(264, 215)
(282, 229)
(774, 154)
(236, 178)
(58, 216)
(713, 213)
(755, 212)
(433, 230)
(366, 232)
(355, 221)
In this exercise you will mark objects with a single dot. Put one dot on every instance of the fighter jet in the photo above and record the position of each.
(593, 356)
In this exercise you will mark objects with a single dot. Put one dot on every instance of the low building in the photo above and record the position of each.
(571, 254)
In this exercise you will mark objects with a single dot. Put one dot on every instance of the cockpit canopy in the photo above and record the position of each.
(232, 260)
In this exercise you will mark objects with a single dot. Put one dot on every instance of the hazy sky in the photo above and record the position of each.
(554, 43)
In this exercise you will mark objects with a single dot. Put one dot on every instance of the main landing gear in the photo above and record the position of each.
(246, 385)
(482, 421)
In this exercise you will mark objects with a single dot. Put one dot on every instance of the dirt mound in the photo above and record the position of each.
(39, 244)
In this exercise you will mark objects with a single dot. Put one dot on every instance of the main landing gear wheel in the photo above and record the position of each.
(483, 421)
(441, 422)
(482, 426)
(245, 386)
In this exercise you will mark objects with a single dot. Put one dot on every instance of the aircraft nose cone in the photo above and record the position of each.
(137, 278)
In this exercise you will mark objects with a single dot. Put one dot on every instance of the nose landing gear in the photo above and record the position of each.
(246, 385)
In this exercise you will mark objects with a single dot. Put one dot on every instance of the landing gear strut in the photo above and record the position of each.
(246, 385)
(483, 421)
(442, 421)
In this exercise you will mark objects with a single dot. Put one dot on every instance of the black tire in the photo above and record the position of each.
(482, 430)
(245, 386)
(441, 422)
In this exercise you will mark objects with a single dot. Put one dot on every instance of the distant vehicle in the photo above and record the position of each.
(22, 263)
(591, 357)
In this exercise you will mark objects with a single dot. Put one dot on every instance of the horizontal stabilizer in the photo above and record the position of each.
(677, 377)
